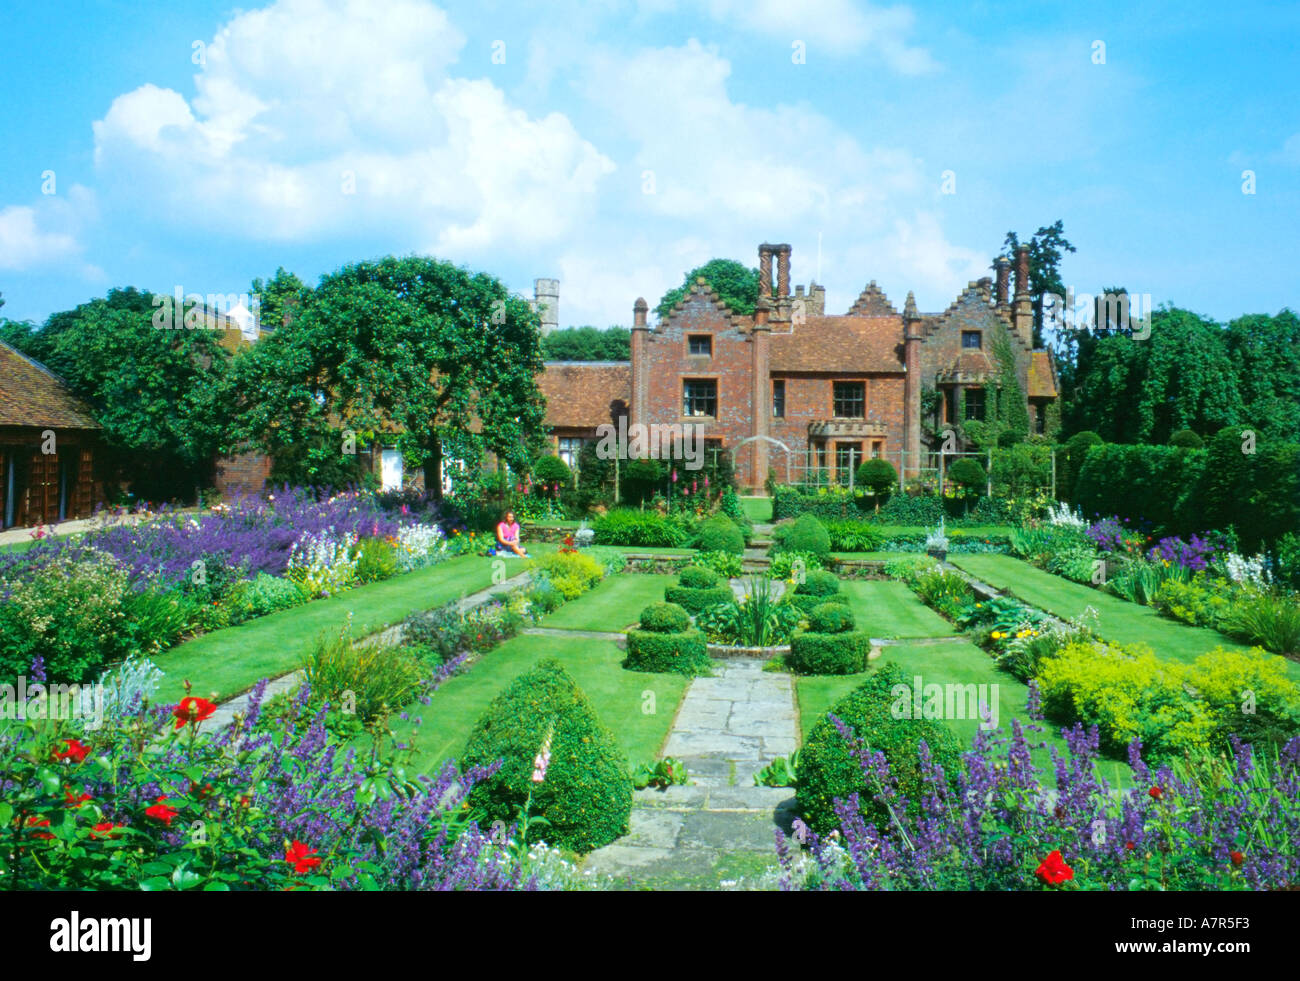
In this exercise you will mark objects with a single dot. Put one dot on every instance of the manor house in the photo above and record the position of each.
(791, 389)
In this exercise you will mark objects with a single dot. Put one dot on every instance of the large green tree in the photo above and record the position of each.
(158, 393)
(734, 282)
(588, 344)
(1047, 247)
(278, 297)
(446, 356)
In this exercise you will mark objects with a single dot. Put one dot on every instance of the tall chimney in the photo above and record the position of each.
(1003, 267)
(910, 465)
(765, 270)
(640, 337)
(761, 394)
(1022, 310)
(782, 270)
(546, 298)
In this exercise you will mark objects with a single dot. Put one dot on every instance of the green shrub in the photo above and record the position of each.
(967, 474)
(265, 594)
(730, 505)
(586, 796)
(1267, 619)
(679, 653)
(878, 476)
(829, 770)
(572, 573)
(1157, 483)
(1194, 602)
(69, 612)
(154, 619)
(804, 534)
(550, 470)
(698, 577)
(1288, 560)
(831, 618)
(363, 679)
(665, 618)
(819, 582)
(696, 600)
(1070, 463)
(1129, 693)
(647, 529)
(719, 534)
(831, 502)
(448, 631)
(854, 536)
(946, 592)
(807, 603)
(1186, 439)
(828, 653)
(725, 564)
(376, 560)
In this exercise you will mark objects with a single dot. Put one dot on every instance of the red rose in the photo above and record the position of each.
(74, 801)
(1237, 858)
(74, 751)
(1129, 845)
(162, 811)
(36, 821)
(104, 827)
(192, 709)
(1053, 870)
(300, 857)
(1156, 793)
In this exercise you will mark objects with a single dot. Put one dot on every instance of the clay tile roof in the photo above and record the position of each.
(1042, 377)
(579, 393)
(32, 395)
(829, 343)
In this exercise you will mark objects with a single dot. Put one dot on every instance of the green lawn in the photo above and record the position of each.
(637, 707)
(975, 531)
(232, 660)
(875, 556)
(1118, 620)
(888, 609)
(612, 605)
(758, 509)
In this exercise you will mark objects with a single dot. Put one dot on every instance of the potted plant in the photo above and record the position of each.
(936, 542)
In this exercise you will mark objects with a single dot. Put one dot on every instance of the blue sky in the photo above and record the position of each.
(615, 145)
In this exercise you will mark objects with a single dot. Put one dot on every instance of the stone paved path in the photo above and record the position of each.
(720, 828)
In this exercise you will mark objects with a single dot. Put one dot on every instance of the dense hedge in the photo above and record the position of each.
(819, 582)
(1156, 484)
(698, 600)
(837, 653)
(828, 770)
(665, 618)
(586, 797)
(698, 577)
(901, 509)
(665, 653)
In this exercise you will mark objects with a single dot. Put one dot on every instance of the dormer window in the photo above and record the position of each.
(700, 345)
(972, 339)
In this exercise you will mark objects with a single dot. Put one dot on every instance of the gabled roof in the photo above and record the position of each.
(579, 394)
(840, 344)
(701, 288)
(872, 302)
(32, 395)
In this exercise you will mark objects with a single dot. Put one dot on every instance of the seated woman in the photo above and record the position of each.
(508, 536)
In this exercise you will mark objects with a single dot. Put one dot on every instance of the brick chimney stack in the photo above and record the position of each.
(1022, 309)
(761, 397)
(640, 337)
(782, 269)
(1003, 267)
(911, 462)
(765, 269)
(546, 301)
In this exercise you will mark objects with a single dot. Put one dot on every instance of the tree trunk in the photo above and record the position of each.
(433, 472)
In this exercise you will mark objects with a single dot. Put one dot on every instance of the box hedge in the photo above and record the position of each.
(647, 529)
(667, 653)
(804, 534)
(698, 600)
(828, 770)
(834, 653)
(665, 618)
(586, 798)
(698, 577)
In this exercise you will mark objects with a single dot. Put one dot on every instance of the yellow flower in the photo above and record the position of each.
(996, 635)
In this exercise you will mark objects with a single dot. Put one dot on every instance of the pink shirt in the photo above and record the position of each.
(508, 533)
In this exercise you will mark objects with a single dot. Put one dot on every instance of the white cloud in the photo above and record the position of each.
(329, 117)
(837, 27)
(36, 235)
